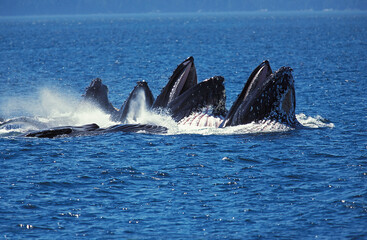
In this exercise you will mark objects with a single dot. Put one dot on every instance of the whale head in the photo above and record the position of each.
(183, 78)
(266, 96)
(209, 94)
(97, 94)
(138, 102)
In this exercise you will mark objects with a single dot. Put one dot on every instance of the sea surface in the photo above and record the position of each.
(249, 183)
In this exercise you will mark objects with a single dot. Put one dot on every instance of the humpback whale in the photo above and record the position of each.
(207, 95)
(93, 129)
(140, 100)
(183, 78)
(266, 95)
(97, 94)
(185, 99)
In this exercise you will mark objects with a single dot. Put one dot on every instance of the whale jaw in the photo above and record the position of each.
(183, 78)
(266, 96)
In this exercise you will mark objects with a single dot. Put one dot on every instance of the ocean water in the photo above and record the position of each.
(259, 181)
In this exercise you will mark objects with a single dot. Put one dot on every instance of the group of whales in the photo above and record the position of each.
(266, 95)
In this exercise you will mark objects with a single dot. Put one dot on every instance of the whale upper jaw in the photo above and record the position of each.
(138, 102)
(266, 96)
(183, 78)
(97, 94)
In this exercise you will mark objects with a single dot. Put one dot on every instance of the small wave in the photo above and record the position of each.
(12, 132)
(314, 122)
(16, 126)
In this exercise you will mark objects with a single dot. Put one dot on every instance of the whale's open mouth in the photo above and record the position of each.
(266, 95)
(208, 94)
(183, 78)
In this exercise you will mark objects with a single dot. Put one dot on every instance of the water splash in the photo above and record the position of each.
(60, 110)
(250, 128)
(314, 122)
(138, 108)
(139, 113)
(52, 109)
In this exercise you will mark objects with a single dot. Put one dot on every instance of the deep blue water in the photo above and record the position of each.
(304, 183)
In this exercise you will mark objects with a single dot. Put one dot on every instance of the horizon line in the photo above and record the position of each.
(260, 11)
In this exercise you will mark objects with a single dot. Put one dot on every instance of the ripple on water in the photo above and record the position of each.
(248, 160)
